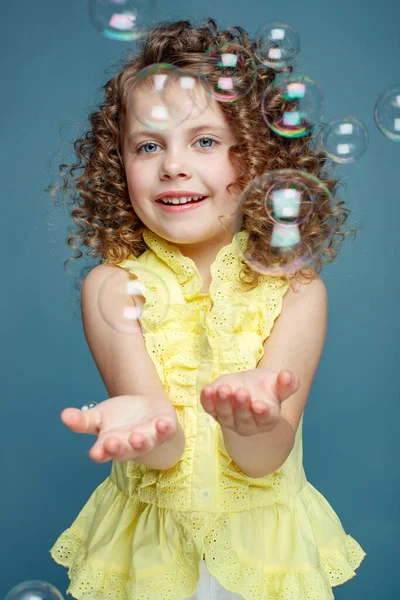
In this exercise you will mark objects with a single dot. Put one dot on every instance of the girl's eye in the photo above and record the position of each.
(140, 149)
(208, 139)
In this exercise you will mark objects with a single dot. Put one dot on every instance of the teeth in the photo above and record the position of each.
(182, 200)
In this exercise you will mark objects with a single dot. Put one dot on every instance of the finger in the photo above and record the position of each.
(207, 399)
(265, 417)
(165, 430)
(99, 454)
(223, 406)
(285, 384)
(88, 421)
(241, 408)
(145, 442)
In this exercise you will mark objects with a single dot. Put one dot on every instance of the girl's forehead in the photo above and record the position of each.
(197, 103)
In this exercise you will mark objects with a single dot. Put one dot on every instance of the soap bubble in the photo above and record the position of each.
(279, 44)
(387, 113)
(34, 590)
(286, 199)
(122, 20)
(345, 139)
(88, 406)
(162, 96)
(236, 71)
(302, 109)
(123, 295)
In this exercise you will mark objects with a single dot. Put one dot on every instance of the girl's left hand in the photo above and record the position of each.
(248, 402)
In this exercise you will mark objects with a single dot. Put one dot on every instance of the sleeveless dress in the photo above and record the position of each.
(143, 533)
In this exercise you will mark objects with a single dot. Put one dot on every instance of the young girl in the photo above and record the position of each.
(207, 496)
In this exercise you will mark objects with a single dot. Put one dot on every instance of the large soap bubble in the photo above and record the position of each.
(163, 96)
(283, 201)
(292, 104)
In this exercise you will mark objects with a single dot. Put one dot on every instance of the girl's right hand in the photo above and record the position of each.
(127, 427)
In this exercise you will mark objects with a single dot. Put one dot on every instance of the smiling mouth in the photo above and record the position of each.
(179, 203)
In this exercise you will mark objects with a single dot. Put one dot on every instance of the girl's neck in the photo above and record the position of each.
(203, 255)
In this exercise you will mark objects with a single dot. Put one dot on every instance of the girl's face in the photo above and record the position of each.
(190, 157)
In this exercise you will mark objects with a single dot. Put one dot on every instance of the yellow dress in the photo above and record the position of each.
(143, 533)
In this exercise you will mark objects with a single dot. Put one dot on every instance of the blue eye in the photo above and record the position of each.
(207, 138)
(144, 145)
(140, 149)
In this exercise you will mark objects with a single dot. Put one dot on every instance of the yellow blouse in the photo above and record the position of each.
(142, 533)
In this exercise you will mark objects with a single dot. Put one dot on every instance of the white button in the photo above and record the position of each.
(205, 494)
(207, 420)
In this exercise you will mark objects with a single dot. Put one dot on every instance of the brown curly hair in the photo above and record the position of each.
(104, 215)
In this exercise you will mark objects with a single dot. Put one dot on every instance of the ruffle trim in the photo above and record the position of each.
(179, 581)
(104, 561)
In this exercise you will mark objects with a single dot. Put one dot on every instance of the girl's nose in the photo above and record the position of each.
(175, 166)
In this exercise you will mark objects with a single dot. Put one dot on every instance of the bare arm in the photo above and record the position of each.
(122, 359)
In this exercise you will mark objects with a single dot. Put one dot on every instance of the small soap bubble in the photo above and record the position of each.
(387, 113)
(230, 71)
(89, 406)
(163, 96)
(123, 295)
(285, 200)
(278, 44)
(34, 590)
(122, 20)
(345, 139)
(301, 105)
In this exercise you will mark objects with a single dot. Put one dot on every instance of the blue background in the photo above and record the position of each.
(53, 67)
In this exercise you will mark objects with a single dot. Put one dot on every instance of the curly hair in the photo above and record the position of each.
(107, 224)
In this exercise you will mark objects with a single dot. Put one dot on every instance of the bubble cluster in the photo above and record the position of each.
(285, 200)
(292, 104)
(122, 20)
(278, 44)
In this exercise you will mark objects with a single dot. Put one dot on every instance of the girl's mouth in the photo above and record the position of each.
(181, 207)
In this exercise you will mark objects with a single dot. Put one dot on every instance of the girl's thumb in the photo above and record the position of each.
(87, 421)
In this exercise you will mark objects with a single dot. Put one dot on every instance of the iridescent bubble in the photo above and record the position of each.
(285, 200)
(34, 590)
(387, 113)
(278, 44)
(345, 139)
(124, 294)
(230, 71)
(122, 20)
(162, 96)
(301, 105)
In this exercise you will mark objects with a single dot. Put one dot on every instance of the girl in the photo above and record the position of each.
(207, 496)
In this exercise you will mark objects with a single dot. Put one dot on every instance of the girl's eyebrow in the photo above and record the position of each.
(192, 130)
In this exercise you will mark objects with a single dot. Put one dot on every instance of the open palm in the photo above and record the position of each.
(126, 426)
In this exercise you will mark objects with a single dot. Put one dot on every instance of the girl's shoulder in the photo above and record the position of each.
(303, 278)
